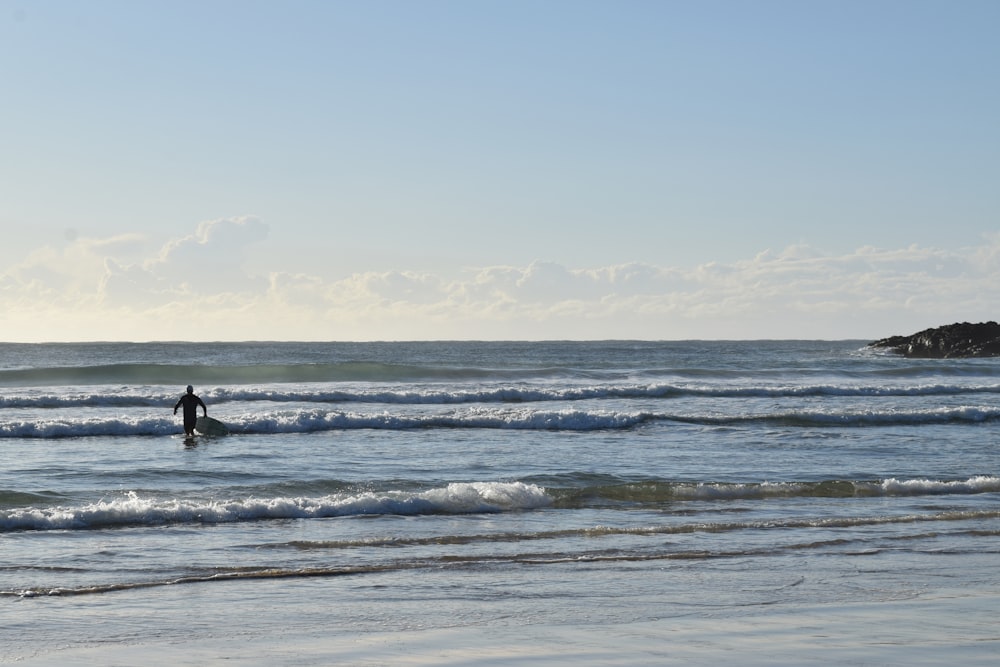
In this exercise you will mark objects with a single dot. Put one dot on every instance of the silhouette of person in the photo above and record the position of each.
(190, 402)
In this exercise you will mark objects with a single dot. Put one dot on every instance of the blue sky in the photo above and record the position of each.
(561, 169)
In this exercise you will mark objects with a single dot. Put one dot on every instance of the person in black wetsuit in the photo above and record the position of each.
(190, 402)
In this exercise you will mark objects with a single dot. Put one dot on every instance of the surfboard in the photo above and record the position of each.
(209, 426)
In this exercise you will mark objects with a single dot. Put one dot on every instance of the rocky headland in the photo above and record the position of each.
(951, 341)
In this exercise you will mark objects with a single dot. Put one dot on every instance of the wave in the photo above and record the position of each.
(314, 421)
(88, 427)
(660, 491)
(204, 374)
(434, 395)
(226, 574)
(851, 418)
(522, 418)
(133, 509)
(672, 529)
(179, 364)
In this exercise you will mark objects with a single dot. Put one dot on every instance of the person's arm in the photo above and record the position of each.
(203, 406)
(177, 405)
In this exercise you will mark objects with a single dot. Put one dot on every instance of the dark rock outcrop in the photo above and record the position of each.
(950, 341)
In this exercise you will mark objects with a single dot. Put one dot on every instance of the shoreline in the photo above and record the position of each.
(954, 626)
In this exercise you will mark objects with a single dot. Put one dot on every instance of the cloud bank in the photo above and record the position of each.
(202, 287)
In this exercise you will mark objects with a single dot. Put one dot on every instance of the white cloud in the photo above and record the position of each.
(210, 261)
(100, 289)
(205, 263)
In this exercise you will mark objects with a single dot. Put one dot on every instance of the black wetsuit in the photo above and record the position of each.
(190, 403)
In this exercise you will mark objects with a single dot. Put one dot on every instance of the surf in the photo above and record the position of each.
(142, 509)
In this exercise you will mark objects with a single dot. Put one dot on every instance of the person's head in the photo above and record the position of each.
(190, 389)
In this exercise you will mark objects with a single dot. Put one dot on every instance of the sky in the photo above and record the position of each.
(497, 169)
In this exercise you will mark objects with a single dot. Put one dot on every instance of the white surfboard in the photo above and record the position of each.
(209, 426)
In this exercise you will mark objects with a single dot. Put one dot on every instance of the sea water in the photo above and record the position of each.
(603, 489)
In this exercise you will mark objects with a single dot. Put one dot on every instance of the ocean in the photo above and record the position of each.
(610, 502)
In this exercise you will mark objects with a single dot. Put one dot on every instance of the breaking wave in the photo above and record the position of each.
(135, 509)
(315, 420)
(431, 394)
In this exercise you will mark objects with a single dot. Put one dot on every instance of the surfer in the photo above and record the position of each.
(190, 402)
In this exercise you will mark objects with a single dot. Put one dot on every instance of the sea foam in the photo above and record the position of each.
(135, 509)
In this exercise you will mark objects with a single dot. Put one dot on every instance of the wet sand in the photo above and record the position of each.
(957, 628)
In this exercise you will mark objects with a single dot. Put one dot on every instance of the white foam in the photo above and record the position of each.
(133, 509)
(920, 487)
